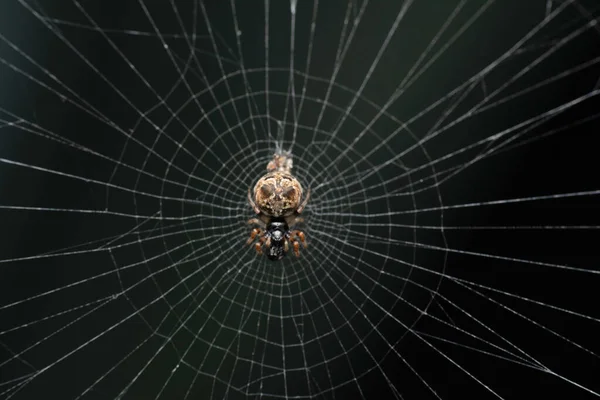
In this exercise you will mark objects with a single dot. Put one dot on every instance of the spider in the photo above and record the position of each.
(277, 202)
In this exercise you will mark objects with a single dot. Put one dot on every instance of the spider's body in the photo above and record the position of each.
(277, 194)
(277, 201)
(277, 234)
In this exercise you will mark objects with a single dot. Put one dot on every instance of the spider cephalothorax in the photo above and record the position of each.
(276, 239)
(276, 236)
(277, 201)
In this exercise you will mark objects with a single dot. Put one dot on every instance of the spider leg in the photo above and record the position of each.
(296, 246)
(303, 204)
(286, 245)
(255, 221)
(253, 234)
(252, 204)
(301, 236)
(293, 220)
(258, 245)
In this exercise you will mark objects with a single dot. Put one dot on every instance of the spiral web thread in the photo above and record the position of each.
(136, 284)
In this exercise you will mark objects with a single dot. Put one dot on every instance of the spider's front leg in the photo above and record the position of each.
(257, 232)
(296, 247)
(300, 235)
(253, 234)
(295, 244)
(258, 245)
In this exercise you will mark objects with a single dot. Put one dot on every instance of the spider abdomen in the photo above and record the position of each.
(277, 194)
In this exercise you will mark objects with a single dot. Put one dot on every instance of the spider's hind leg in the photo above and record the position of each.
(252, 203)
(255, 221)
(304, 202)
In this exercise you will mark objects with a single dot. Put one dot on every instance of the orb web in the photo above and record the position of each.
(450, 227)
